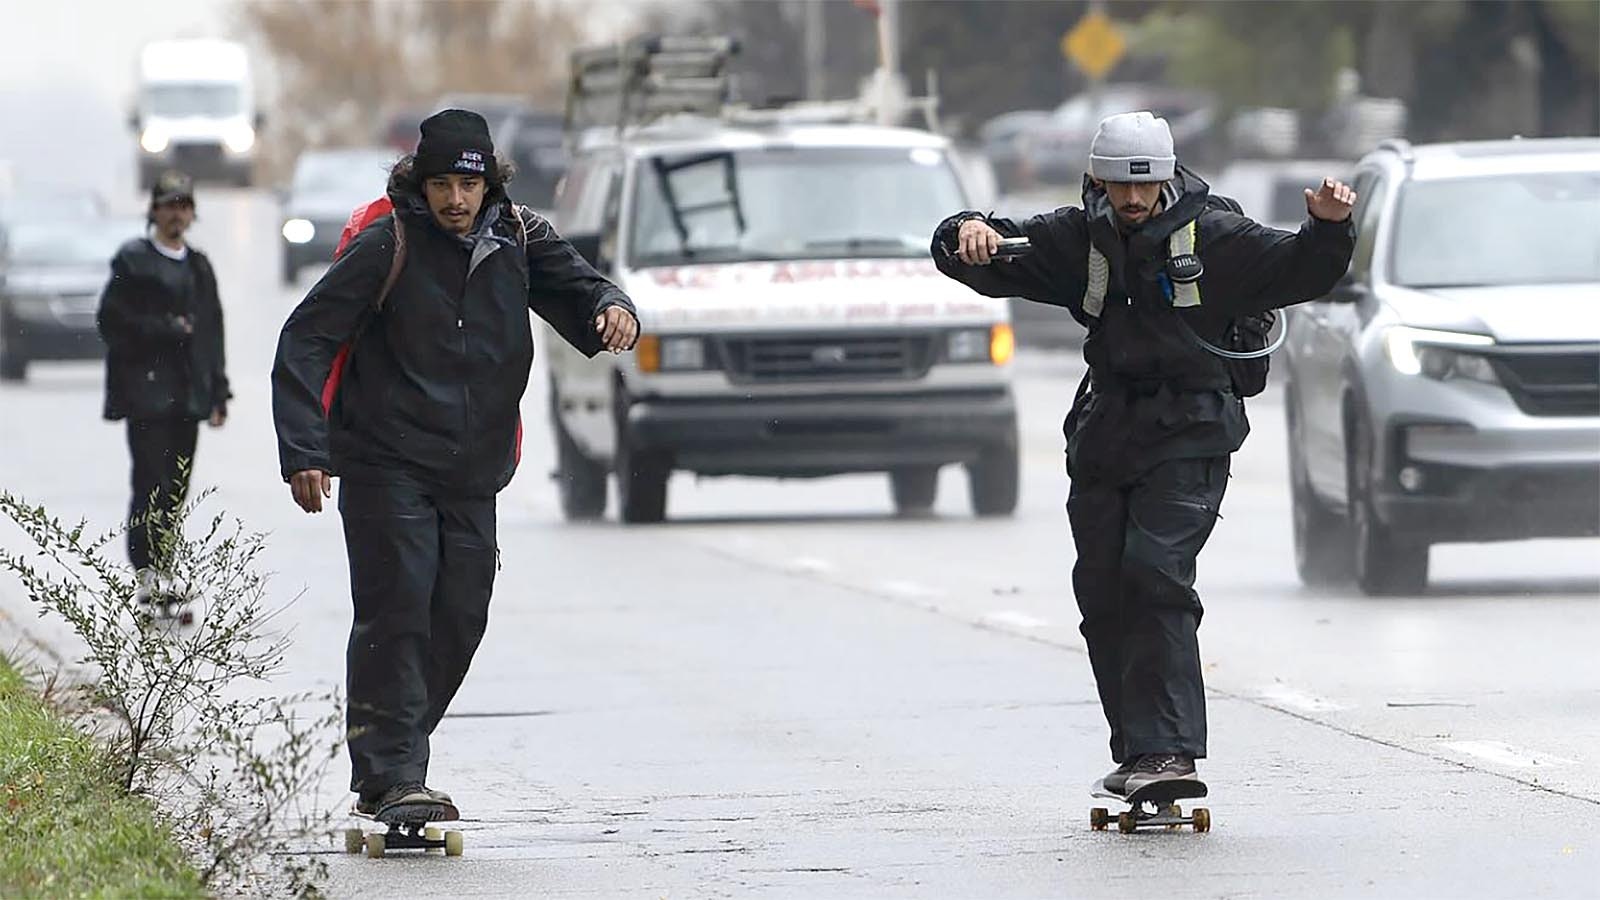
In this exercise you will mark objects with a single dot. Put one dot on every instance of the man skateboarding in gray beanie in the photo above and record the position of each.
(1160, 273)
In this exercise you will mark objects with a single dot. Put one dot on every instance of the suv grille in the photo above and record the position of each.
(825, 358)
(1551, 381)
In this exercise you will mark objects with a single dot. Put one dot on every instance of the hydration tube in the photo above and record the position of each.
(1283, 335)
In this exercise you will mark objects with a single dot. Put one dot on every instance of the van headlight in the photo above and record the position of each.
(240, 138)
(154, 140)
(994, 344)
(1439, 355)
(299, 231)
(670, 354)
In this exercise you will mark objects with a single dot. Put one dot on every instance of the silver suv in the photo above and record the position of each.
(1448, 389)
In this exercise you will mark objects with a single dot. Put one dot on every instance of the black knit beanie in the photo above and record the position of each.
(455, 142)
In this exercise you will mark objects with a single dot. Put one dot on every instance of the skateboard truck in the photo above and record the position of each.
(1153, 806)
(404, 836)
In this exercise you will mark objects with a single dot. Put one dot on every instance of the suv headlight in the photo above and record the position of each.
(299, 231)
(1439, 354)
(154, 140)
(240, 138)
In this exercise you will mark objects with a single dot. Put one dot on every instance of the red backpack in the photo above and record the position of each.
(360, 218)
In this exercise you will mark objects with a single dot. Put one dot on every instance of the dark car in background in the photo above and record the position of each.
(52, 270)
(1057, 151)
(327, 186)
(534, 141)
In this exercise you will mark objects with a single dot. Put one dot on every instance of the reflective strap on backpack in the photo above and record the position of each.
(1094, 295)
(1181, 242)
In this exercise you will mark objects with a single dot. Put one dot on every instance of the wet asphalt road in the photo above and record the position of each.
(787, 691)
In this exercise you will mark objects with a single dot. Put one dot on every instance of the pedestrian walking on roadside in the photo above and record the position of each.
(161, 319)
(1160, 273)
(423, 429)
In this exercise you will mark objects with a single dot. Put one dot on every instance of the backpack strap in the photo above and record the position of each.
(396, 262)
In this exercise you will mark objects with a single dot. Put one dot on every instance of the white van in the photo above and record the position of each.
(794, 323)
(196, 111)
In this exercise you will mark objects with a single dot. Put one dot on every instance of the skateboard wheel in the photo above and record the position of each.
(1175, 811)
(354, 840)
(1126, 823)
(454, 844)
(433, 833)
(1099, 818)
(1202, 820)
(375, 846)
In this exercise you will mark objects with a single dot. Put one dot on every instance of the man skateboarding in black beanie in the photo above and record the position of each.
(423, 430)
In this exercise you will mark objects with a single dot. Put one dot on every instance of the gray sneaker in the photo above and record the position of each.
(1156, 767)
(1116, 781)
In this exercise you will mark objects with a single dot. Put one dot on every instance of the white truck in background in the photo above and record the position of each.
(195, 111)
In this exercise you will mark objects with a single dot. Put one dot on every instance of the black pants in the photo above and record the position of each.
(162, 451)
(422, 568)
(1137, 542)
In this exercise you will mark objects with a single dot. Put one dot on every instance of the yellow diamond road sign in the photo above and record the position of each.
(1094, 44)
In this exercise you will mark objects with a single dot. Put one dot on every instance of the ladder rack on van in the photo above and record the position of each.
(638, 81)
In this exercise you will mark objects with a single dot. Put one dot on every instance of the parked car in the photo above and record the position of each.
(1058, 151)
(535, 143)
(327, 186)
(1449, 388)
(1272, 191)
(53, 270)
(1002, 141)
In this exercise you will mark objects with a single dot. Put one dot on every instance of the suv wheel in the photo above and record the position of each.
(1386, 564)
(13, 365)
(1321, 537)
(994, 480)
(914, 488)
(641, 475)
(580, 481)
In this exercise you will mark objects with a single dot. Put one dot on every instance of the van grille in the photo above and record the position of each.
(828, 358)
(1551, 381)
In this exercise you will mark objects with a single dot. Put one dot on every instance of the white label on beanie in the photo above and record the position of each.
(470, 161)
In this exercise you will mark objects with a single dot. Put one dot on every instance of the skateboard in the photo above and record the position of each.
(1152, 806)
(166, 608)
(405, 835)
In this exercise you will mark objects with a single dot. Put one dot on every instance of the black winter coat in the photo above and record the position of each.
(154, 369)
(1157, 394)
(433, 385)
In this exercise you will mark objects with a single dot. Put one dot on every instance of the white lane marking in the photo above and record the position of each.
(1015, 619)
(1285, 695)
(908, 589)
(1504, 754)
(809, 565)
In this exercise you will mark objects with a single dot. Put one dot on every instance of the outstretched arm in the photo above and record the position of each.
(1251, 268)
(585, 308)
(1054, 272)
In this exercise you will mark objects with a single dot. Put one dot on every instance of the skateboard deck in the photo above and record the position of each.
(1152, 806)
(166, 609)
(403, 835)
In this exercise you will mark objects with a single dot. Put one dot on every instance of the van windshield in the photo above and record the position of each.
(175, 101)
(791, 203)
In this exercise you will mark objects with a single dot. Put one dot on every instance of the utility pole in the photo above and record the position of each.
(890, 87)
(816, 50)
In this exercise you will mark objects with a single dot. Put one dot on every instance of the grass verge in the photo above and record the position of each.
(70, 831)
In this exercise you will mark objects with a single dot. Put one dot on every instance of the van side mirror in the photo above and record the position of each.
(133, 120)
(588, 247)
(261, 121)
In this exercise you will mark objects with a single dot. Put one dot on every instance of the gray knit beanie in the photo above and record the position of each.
(1133, 146)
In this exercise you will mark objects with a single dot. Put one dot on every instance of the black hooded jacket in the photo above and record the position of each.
(155, 369)
(433, 383)
(1157, 394)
